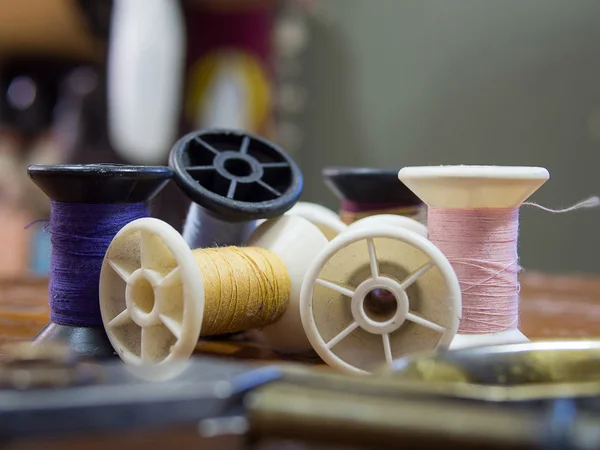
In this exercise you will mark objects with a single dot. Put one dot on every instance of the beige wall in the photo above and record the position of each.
(511, 82)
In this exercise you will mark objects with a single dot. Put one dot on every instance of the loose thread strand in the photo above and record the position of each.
(592, 202)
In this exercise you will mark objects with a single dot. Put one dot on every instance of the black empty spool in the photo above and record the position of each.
(94, 184)
(369, 186)
(233, 179)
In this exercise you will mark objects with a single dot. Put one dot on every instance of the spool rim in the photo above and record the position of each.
(435, 257)
(99, 183)
(186, 328)
(100, 169)
(368, 185)
(476, 171)
(511, 336)
(223, 204)
(473, 187)
(391, 220)
(324, 218)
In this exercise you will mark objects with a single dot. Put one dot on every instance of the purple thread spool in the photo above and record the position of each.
(364, 191)
(90, 203)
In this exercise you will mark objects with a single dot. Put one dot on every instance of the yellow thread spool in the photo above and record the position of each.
(244, 288)
(157, 296)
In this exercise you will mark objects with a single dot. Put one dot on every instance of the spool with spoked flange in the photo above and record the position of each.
(233, 179)
(376, 293)
(152, 292)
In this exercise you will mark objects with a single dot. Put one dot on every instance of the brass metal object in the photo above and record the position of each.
(25, 365)
(26, 351)
(502, 373)
(511, 372)
(288, 411)
(506, 396)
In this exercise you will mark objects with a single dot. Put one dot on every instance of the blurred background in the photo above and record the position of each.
(379, 83)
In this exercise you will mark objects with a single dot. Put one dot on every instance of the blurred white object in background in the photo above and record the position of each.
(145, 78)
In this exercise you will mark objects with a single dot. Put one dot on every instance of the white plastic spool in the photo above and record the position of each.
(330, 224)
(328, 221)
(336, 313)
(391, 220)
(152, 294)
(325, 219)
(476, 187)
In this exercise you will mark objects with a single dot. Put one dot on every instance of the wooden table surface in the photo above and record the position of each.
(552, 307)
(560, 306)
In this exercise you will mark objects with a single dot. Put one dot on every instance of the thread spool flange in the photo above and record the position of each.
(377, 293)
(94, 184)
(235, 176)
(99, 183)
(324, 218)
(152, 294)
(476, 187)
(370, 191)
(389, 220)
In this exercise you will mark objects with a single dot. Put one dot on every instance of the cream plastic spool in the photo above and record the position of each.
(324, 218)
(331, 225)
(391, 220)
(475, 187)
(379, 253)
(152, 295)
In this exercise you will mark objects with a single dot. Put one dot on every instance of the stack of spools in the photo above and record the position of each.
(162, 291)
(372, 292)
(469, 268)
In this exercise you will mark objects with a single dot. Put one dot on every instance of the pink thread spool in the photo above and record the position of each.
(471, 196)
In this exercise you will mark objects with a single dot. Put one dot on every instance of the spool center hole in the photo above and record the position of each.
(238, 167)
(380, 305)
(143, 295)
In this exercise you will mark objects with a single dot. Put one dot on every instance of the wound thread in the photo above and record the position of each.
(481, 246)
(244, 288)
(80, 236)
